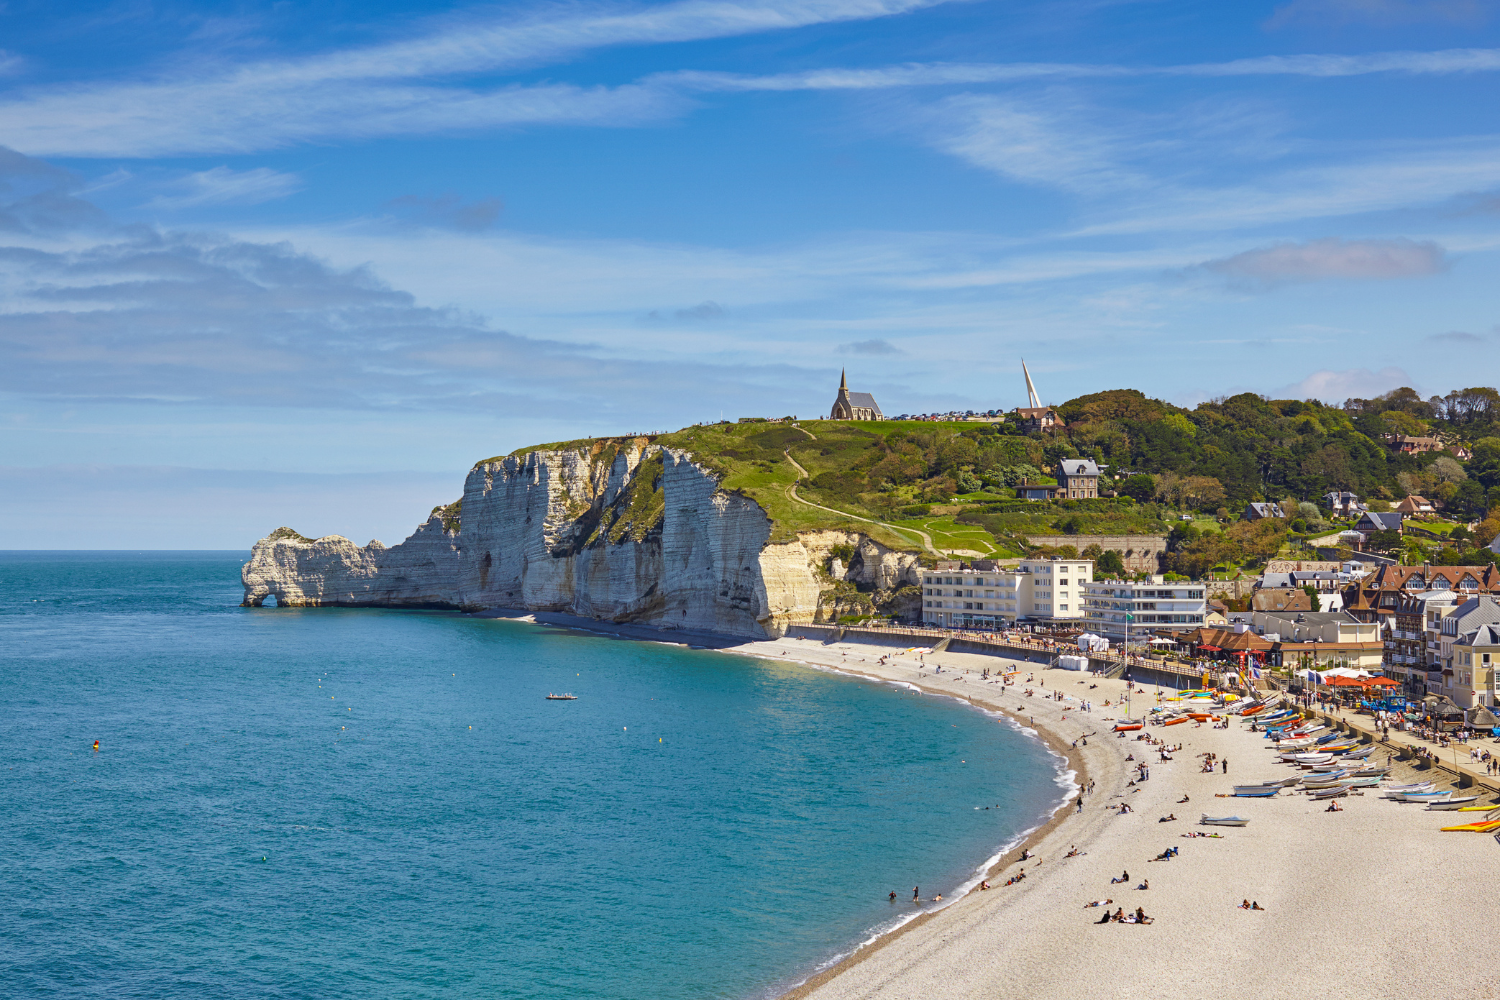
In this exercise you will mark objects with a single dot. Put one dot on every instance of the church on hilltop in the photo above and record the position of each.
(854, 405)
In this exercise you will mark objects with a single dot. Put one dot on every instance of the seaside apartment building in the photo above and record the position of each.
(1156, 606)
(982, 594)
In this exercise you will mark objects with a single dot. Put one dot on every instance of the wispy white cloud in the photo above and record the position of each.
(380, 90)
(1437, 171)
(1046, 141)
(223, 186)
(1446, 61)
(1332, 386)
(1319, 260)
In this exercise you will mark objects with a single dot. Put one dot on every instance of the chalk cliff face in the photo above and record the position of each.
(624, 531)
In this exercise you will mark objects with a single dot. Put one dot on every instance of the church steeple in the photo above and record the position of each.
(843, 384)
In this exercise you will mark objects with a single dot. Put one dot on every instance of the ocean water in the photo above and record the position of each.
(360, 803)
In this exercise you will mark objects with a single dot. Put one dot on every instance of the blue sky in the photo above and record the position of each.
(254, 255)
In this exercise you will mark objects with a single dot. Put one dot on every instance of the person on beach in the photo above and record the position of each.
(1107, 917)
(1124, 877)
(916, 894)
(1225, 763)
(1257, 906)
(1140, 916)
(1119, 916)
(984, 885)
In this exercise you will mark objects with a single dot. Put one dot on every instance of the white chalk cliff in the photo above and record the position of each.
(622, 530)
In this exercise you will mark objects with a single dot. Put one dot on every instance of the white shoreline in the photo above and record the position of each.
(1372, 902)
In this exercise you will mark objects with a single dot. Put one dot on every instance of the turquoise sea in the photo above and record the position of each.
(327, 803)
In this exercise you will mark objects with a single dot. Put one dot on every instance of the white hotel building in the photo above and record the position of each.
(1156, 605)
(988, 596)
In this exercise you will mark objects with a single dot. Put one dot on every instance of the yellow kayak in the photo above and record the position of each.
(1489, 826)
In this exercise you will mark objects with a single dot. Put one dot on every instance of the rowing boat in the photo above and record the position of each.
(1256, 791)
(1457, 802)
(1370, 782)
(1331, 793)
(1208, 820)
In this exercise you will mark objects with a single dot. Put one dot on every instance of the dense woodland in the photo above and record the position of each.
(1223, 453)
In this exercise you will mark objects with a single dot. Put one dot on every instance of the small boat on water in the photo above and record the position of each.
(1456, 802)
(1256, 791)
(1208, 820)
(562, 697)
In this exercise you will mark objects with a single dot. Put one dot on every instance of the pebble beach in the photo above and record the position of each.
(1372, 901)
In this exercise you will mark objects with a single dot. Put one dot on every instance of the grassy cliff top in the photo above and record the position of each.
(903, 483)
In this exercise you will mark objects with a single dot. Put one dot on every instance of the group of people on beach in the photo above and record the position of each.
(1121, 917)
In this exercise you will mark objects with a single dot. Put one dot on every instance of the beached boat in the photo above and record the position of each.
(562, 697)
(1177, 721)
(1309, 759)
(1457, 802)
(1373, 782)
(1337, 782)
(1415, 786)
(1282, 782)
(1130, 728)
(1487, 826)
(1256, 791)
(1208, 820)
(1366, 772)
(1331, 793)
(1423, 796)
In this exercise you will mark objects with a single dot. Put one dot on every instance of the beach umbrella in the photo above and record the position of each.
(1384, 682)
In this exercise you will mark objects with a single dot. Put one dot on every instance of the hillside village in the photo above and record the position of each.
(1289, 530)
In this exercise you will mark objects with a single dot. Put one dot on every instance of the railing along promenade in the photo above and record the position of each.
(1041, 650)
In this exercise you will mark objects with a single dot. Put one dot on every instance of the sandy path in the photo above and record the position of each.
(1370, 902)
